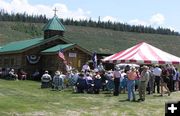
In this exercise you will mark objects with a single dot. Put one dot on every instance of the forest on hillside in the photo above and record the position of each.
(117, 26)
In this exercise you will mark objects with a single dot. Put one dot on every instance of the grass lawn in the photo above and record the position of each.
(25, 98)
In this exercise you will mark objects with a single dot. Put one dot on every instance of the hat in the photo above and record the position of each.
(133, 68)
(109, 71)
(46, 71)
(12, 69)
(57, 73)
(145, 67)
(117, 68)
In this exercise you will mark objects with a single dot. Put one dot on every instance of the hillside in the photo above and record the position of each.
(95, 39)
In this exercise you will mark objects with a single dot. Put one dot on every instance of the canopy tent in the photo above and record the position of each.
(143, 53)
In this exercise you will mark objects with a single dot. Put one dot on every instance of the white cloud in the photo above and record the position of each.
(109, 18)
(172, 28)
(137, 22)
(22, 6)
(155, 20)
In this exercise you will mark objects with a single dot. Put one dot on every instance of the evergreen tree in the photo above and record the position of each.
(24, 17)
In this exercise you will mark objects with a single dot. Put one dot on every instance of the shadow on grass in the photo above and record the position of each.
(107, 94)
(157, 96)
(125, 100)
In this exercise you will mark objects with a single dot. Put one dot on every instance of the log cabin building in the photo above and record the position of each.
(42, 53)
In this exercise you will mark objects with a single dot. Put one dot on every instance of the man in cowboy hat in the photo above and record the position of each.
(58, 81)
(143, 80)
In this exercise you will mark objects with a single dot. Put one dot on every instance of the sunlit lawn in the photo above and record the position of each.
(25, 98)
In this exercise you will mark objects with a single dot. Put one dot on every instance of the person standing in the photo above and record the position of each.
(143, 80)
(131, 83)
(69, 68)
(157, 73)
(171, 73)
(123, 82)
(177, 75)
(110, 83)
(151, 82)
(165, 80)
(86, 67)
(116, 76)
(101, 67)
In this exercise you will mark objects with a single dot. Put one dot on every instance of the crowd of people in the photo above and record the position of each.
(144, 80)
(150, 79)
(10, 74)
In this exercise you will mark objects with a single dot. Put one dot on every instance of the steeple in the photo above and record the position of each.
(55, 10)
(53, 27)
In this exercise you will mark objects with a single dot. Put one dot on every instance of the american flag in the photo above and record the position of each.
(61, 55)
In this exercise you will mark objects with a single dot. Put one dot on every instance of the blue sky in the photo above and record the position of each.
(164, 13)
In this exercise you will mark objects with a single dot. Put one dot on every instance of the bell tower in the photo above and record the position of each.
(53, 27)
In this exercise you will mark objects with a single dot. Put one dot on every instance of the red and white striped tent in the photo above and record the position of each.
(143, 53)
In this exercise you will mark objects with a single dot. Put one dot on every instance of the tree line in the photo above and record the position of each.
(22, 17)
(117, 26)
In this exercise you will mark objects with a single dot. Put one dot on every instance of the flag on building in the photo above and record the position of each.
(94, 59)
(61, 54)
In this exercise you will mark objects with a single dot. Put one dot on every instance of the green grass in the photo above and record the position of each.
(25, 98)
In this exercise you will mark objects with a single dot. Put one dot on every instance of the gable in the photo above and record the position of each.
(64, 47)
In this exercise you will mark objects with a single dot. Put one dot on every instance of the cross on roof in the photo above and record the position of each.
(55, 10)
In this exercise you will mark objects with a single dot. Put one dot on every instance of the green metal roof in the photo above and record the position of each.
(20, 45)
(54, 24)
(57, 48)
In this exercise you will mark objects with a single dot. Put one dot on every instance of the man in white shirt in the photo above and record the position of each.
(13, 75)
(69, 67)
(45, 80)
(86, 67)
(101, 67)
(157, 73)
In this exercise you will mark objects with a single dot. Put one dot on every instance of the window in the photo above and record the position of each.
(12, 62)
(6, 62)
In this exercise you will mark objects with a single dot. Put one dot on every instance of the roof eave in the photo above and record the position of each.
(30, 47)
(70, 47)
